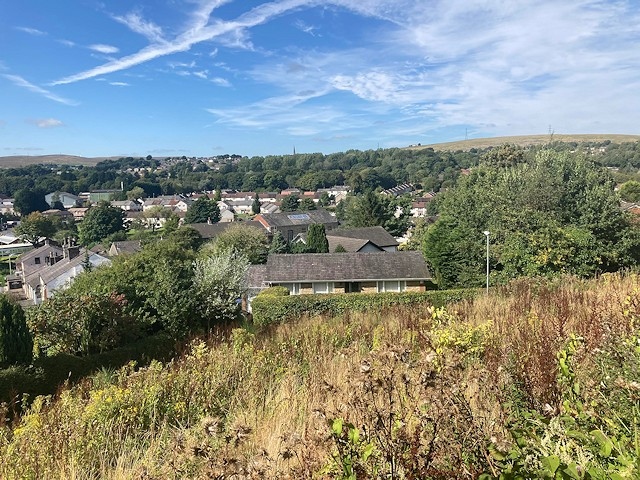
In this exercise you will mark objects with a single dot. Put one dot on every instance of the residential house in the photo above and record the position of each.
(46, 255)
(240, 207)
(269, 207)
(176, 203)
(68, 200)
(309, 273)
(227, 216)
(6, 206)
(366, 239)
(127, 205)
(209, 231)
(124, 247)
(63, 215)
(78, 213)
(399, 190)
(291, 224)
(43, 283)
(339, 192)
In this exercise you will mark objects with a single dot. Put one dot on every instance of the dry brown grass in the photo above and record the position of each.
(261, 406)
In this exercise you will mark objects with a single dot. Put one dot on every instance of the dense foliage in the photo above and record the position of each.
(100, 222)
(16, 343)
(556, 213)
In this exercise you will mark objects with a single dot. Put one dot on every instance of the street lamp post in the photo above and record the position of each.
(486, 234)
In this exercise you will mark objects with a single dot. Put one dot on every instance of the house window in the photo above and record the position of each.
(37, 260)
(294, 288)
(323, 287)
(392, 286)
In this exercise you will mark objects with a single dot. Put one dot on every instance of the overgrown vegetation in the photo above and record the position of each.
(537, 380)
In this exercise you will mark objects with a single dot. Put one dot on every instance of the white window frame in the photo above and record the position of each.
(294, 288)
(396, 286)
(322, 287)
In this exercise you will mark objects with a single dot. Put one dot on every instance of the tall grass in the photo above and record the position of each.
(404, 393)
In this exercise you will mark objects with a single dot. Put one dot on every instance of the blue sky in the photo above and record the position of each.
(207, 77)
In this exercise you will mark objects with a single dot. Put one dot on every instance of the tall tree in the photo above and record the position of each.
(16, 343)
(29, 200)
(252, 242)
(557, 213)
(35, 226)
(317, 239)
(203, 210)
(278, 243)
(100, 222)
(307, 204)
(219, 282)
(255, 206)
(290, 203)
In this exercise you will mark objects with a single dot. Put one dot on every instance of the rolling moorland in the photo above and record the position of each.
(537, 379)
(14, 161)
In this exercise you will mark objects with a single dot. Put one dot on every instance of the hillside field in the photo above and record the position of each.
(536, 380)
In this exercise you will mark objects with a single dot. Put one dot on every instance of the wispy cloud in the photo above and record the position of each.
(137, 24)
(221, 82)
(102, 48)
(197, 31)
(302, 26)
(31, 31)
(46, 122)
(120, 84)
(67, 43)
(21, 82)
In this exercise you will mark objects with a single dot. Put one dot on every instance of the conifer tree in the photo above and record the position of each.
(317, 239)
(16, 343)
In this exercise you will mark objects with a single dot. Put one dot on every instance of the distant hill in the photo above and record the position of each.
(525, 140)
(25, 160)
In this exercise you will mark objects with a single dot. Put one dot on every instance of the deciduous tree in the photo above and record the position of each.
(203, 210)
(100, 222)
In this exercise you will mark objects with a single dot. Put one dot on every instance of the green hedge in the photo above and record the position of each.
(270, 309)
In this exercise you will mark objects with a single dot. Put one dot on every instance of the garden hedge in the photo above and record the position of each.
(269, 309)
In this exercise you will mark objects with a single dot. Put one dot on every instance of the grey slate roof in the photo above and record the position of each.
(349, 244)
(212, 230)
(284, 219)
(339, 267)
(125, 246)
(377, 235)
(42, 251)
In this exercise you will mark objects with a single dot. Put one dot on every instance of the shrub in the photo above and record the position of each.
(274, 292)
(269, 309)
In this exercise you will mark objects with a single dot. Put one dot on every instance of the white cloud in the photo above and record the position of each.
(106, 49)
(31, 31)
(119, 84)
(21, 82)
(221, 82)
(46, 122)
(197, 31)
(137, 24)
(67, 43)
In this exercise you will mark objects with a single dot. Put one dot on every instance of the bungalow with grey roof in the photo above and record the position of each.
(311, 273)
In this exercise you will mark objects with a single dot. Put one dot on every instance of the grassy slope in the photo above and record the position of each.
(26, 160)
(428, 391)
(526, 140)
